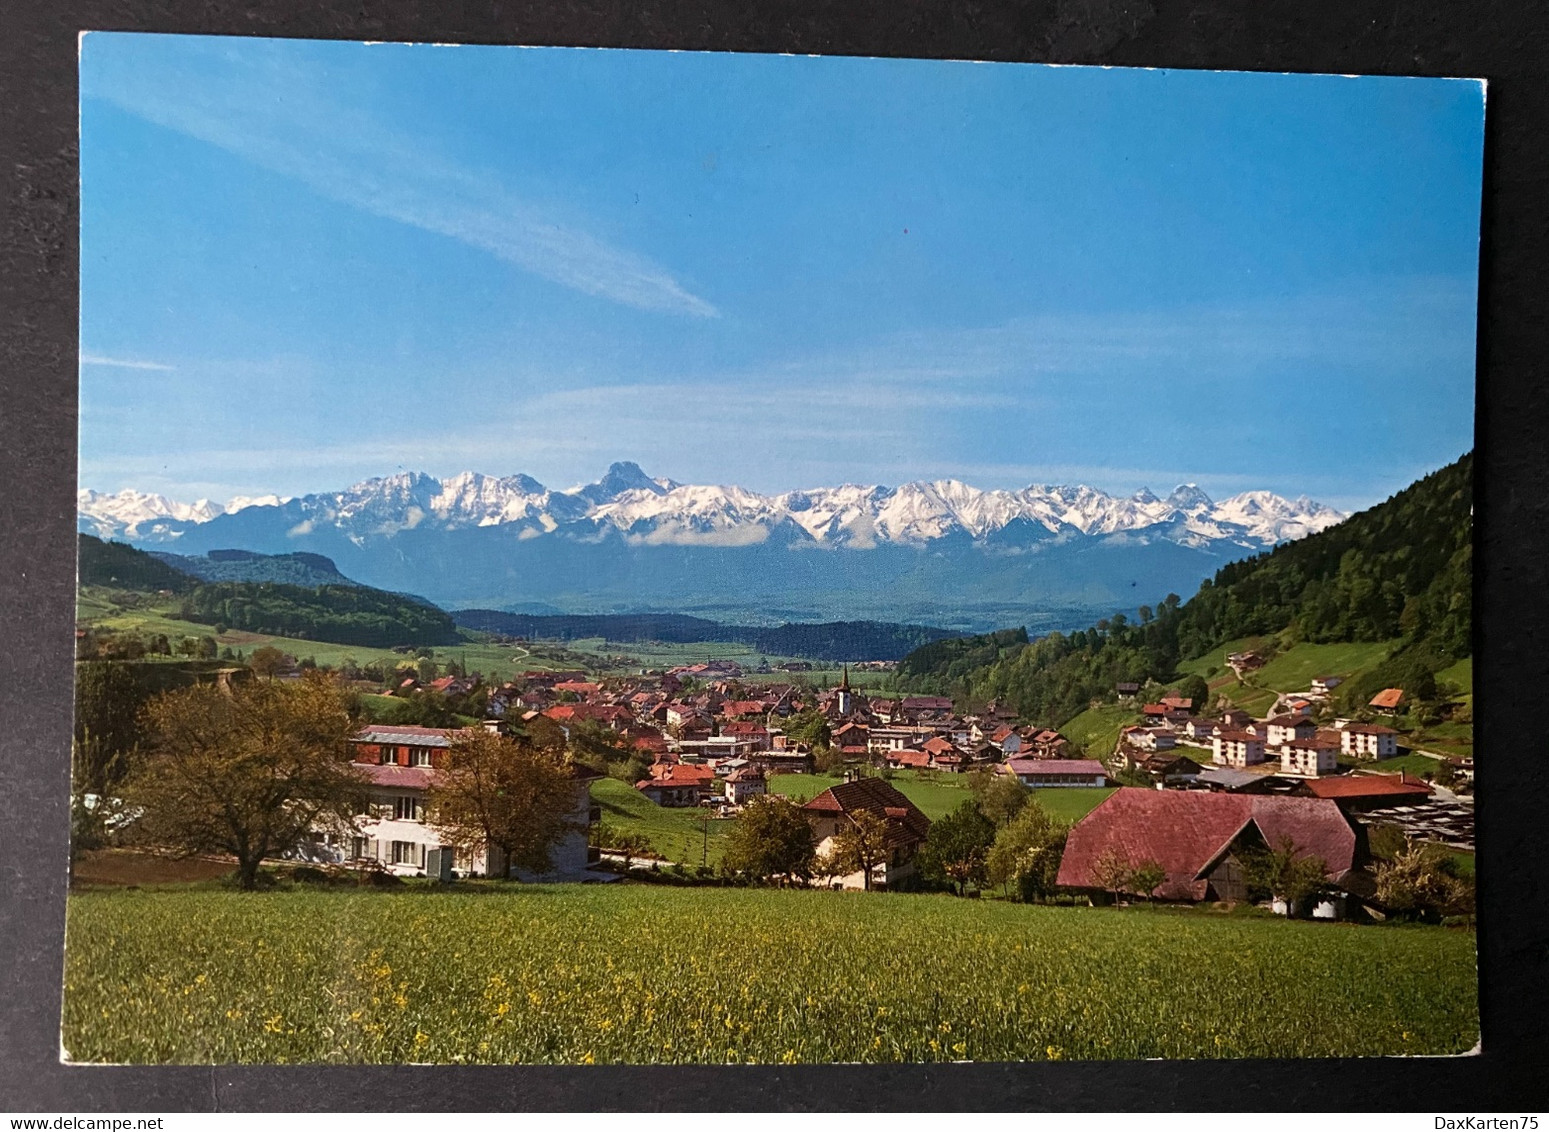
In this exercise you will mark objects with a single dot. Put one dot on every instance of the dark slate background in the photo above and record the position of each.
(1503, 42)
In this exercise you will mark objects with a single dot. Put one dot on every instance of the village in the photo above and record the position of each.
(1187, 790)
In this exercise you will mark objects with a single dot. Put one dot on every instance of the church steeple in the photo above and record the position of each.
(844, 681)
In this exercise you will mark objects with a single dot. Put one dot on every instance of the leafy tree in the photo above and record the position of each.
(1000, 796)
(1422, 882)
(1112, 871)
(956, 847)
(859, 846)
(511, 794)
(810, 727)
(268, 661)
(1283, 874)
(771, 838)
(252, 770)
(1386, 841)
(108, 699)
(1194, 688)
(1027, 852)
(1147, 877)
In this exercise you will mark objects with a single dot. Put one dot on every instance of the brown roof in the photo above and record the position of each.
(1055, 766)
(1369, 729)
(1237, 736)
(1369, 786)
(1187, 831)
(399, 777)
(878, 797)
(1388, 698)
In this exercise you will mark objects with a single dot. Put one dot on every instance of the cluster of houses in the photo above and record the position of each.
(1223, 785)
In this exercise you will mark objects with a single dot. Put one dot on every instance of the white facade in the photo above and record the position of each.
(1238, 748)
(1363, 741)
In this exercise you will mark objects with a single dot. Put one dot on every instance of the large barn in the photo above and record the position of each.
(1197, 838)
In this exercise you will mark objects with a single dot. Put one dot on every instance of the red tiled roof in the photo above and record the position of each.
(400, 777)
(936, 745)
(1369, 729)
(1055, 766)
(1368, 786)
(1388, 698)
(1185, 831)
(878, 797)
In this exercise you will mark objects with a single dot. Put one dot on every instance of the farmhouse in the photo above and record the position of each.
(831, 811)
(1045, 773)
(1198, 839)
(1387, 700)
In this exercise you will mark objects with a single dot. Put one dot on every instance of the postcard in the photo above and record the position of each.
(636, 557)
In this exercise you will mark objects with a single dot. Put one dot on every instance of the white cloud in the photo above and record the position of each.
(280, 116)
(89, 359)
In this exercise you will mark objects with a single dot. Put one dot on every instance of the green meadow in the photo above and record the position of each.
(646, 974)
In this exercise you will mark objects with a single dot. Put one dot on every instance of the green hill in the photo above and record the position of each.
(1395, 579)
(343, 613)
(123, 567)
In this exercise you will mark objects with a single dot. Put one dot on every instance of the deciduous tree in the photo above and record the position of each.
(770, 839)
(1027, 852)
(514, 794)
(956, 847)
(860, 845)
(252, 770)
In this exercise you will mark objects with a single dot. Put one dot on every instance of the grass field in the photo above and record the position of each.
(642, 974)
(1295, 668)
(939, 795)
(1460, 675)
(675, 834)
(1096, 730)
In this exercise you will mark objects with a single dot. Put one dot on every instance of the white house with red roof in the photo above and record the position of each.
(396, 832)
(832, 810)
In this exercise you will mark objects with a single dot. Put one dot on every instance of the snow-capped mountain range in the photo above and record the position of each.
(652, 511)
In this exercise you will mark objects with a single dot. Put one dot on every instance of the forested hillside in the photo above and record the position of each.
(346, 615)
(826, 640)
(123, 567)
(1401, 570)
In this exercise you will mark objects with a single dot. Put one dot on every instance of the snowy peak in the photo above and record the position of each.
(629, 503)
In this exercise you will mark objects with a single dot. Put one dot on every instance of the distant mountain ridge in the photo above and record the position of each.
(938, 553)
(664, 511)
(296, 569)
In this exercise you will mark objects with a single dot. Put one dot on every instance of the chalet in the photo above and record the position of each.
(1235, 719)
(1309, 758)
(1368, 741)
(1199, 838)
(1201, 730)
(1323, 685)
(1051, 773)
(832, 810)
(1362, 792)
(1047, 743)
(1169, 770)
(936, 746)
(851, 734)
(1126, 688)
(1006, 739)
(674, 792)
(745, 784)
(1284, 729)
(1238, 748)
(396, 832)
(926, 707)
(1151, 738)
(909, 759)
(786, 760)
(1388, 700)
(1184, 704)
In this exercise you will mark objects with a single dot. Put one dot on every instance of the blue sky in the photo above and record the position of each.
(307, 263)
